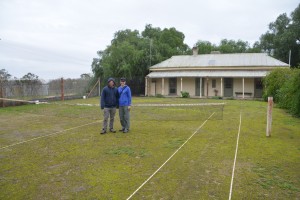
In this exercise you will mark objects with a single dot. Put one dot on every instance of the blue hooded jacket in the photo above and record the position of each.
(109, 96)
(124, 96)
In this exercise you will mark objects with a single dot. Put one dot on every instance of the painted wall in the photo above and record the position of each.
(248, 85)
(188, 85)
(158, 86)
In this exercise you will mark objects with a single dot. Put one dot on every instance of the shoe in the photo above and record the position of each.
(103, 131)
(112, 130)
(121, 130)
(125, 131)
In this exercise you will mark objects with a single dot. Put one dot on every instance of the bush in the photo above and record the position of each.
(159, 96)
(284, 86)
(216, 97)
(185, 94)
(273, 82)
(289, 93)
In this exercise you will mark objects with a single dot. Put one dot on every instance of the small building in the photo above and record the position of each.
(237, 75)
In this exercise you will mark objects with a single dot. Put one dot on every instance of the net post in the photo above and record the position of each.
(62, 98)
(269, 116)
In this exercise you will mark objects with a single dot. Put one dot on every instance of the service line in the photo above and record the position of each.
(236, 151)
(170, 157)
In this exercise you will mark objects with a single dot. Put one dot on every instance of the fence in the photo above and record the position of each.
(56, 89)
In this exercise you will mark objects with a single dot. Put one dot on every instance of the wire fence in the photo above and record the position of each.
(38, 89)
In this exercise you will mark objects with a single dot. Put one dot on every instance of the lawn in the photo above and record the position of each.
(56, 152)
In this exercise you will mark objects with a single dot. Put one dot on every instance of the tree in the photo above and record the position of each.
(4, 75)
(31, 84)
(130, 53)
(85, 76)
(205, 47)
(227, 46)
(282, 37)
(30, 77)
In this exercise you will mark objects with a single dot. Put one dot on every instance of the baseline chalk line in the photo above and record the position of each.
(170, 157)
(48, 135)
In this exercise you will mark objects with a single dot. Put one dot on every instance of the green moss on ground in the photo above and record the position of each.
(82, 164)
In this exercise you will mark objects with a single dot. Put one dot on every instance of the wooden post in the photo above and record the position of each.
(98, 82)
(269, 116)
(1, 95)
(243, 88)
(99, 86)
(201, 87)
(62, 97)
(221, 87)
(146, 86)
(206, 87)
(180, 84)
(163, 87)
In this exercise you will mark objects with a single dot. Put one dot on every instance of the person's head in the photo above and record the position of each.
(111, 82)
(122, 81)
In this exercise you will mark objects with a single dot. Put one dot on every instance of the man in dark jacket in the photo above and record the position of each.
(109, 103)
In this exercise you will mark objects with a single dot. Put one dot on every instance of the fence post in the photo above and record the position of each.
(269, 116)
(1, 95)
(62, 89)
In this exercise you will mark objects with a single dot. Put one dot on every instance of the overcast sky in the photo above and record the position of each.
(59, 38)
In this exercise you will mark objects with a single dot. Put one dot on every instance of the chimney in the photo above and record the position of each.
(195, 51)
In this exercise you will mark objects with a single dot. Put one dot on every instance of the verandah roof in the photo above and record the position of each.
(207, 73)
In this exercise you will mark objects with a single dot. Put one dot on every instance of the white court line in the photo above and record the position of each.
(169, 157)
(49, 135)
(236, 151)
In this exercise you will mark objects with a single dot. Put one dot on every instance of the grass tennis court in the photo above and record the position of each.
(55, 151)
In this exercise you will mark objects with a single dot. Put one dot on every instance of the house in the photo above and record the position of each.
(236, 75)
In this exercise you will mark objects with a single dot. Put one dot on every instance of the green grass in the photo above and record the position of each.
(82, 164)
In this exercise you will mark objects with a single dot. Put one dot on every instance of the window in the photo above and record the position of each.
(214, 83)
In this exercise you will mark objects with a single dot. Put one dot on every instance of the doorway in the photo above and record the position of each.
(228, 87)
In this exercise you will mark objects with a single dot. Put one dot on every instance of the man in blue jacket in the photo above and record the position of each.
(124, 103)
(109, 103)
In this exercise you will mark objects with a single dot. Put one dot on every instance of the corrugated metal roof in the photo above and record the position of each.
(221, 60)
(207, 73)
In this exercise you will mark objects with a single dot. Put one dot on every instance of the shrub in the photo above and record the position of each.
(284, 86)
(185, 94)
(216, 97)
(289, 93)
(273, 82)
(159, 95)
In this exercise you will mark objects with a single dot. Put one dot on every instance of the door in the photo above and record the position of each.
(258, 88)
(228, 87)
(172, 86)
(197, 86)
